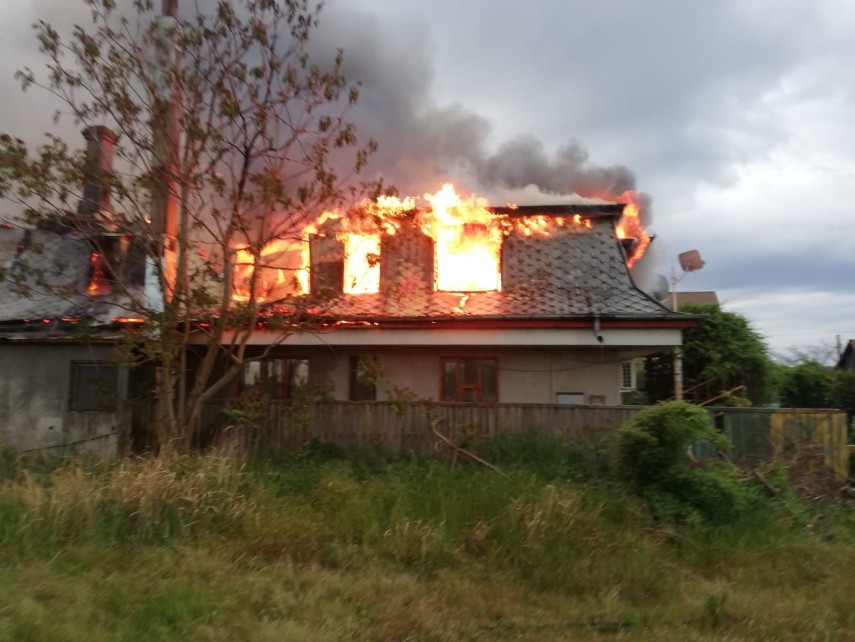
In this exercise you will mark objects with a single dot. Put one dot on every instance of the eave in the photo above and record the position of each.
(461, 322)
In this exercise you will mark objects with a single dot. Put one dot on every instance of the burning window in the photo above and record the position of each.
(361, 263)
(468, 242)
(278, 378)
(277, 271)
(94, 386)
(469, 379)
(99, 281)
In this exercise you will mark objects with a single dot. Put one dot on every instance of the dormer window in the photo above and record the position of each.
(361, 263)
(467, 259)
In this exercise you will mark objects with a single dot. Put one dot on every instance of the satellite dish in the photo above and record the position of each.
(660, 290)
(691, 261)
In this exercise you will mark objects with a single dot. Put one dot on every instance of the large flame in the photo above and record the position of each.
(467, 239)
(361, 263)
(277, 269)
(630, 226)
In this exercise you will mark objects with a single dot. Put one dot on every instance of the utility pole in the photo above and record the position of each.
(678, 351)
(689, 262)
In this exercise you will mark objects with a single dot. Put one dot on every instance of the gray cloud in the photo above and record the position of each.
(424, 142)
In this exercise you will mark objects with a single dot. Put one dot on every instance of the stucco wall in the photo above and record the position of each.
(34, 394)
(526, 375)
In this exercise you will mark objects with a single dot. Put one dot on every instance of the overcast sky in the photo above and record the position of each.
(736, 117)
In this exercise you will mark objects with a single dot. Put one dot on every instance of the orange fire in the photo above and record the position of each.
(98, 282)
(361, 263)
(467, 239)
(273, 269)
(630, 226)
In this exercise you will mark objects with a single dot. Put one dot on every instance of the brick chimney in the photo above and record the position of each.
(100, 144)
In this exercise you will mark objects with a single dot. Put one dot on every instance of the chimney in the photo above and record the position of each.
(100, 144)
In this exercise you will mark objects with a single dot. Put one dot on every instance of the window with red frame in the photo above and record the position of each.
(469, 379)
(277, 377)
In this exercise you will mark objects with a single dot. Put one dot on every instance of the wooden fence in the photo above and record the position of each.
(785, 434)
(406, 428)
(757, 434)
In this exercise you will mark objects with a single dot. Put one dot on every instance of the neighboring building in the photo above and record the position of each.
(847, 357)
(556, 323)
(695, 298)
(60, 384)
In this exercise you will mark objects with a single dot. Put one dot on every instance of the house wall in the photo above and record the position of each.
(35, 382)
(526, 375)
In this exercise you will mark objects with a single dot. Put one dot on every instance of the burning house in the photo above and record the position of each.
(457, 301)
(448, 300)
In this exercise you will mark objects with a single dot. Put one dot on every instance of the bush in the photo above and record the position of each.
(653, 445)
(652, 457)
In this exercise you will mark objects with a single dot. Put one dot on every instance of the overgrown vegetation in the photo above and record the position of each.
(624, 540)
(724, 358)
(812, 385)
(654, 454)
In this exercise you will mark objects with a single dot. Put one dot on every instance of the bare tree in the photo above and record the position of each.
(228, 140)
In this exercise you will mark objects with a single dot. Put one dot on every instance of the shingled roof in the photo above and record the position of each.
(577, 272)
(54, 271)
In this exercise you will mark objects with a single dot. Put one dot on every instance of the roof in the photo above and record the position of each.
(57, 269)
(575, 272)
(696, 298)
(578, 272)
(846, 361)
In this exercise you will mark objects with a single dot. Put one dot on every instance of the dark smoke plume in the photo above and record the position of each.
(423, 143)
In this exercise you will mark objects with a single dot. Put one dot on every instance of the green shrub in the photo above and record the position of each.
(653, 444)
(652, 456)
(716, 496)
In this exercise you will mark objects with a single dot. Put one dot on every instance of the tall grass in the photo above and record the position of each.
(361, 541)
(551, 523)
(48, 503)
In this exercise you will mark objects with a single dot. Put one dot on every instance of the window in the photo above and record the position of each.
(570, 398)
(469, 379)
(363, 379)
(279, 378)
(627, 375)
(94, 386)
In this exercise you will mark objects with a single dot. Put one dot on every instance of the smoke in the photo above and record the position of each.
(423, 143)
(524, 161)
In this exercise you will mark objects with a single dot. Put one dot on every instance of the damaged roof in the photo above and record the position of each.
(46, 275)
(577, 272)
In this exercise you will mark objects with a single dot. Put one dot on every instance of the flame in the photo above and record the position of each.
(467, 239)
(270, 269)
(630, 227)
(362, 263)
(98, 283)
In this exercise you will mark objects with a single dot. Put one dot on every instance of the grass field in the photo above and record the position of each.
(324, 547)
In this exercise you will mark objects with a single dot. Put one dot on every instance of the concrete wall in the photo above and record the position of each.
(526, 375)
(35, 382)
